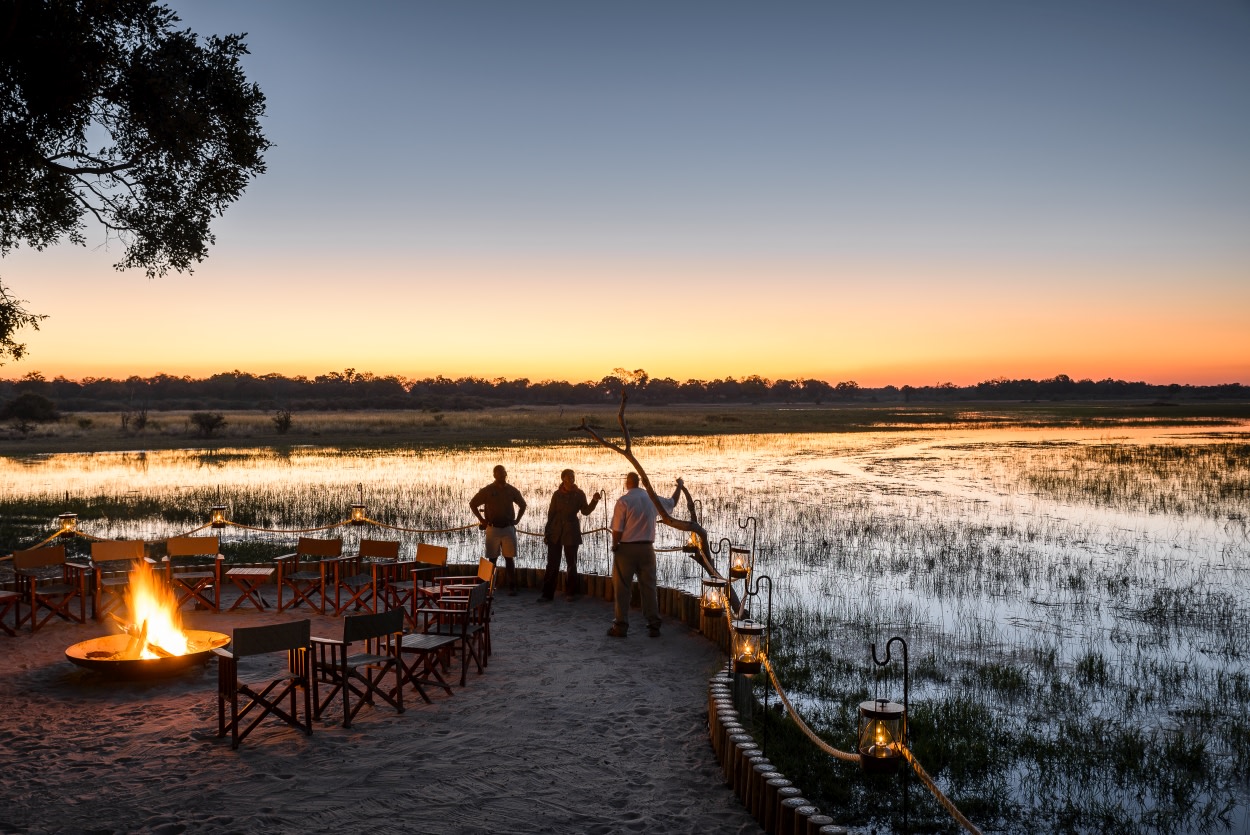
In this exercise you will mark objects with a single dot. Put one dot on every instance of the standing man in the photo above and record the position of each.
(492, 505)
(633, 549)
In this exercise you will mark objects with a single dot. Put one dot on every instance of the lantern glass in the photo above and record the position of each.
(217, 515)
(748, 646)
(68, 522)
(713, 599)
(882, 726)
(358, 514)
(739, 562)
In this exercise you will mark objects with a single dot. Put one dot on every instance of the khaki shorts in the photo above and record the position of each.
(500, 541)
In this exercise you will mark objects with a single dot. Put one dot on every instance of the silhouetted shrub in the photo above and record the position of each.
(30, 407)
(206, 423)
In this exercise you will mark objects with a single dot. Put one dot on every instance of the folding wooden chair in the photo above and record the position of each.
(360, 674)
(465, 621)
(111, 564)
(453, 589)
(303, 572)
(355, 579)
(10, 601)
(429, 651)
(412, 591)
(193, 570)
(47, 580)
(294, 639)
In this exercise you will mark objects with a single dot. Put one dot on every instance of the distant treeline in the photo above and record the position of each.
(350, 389)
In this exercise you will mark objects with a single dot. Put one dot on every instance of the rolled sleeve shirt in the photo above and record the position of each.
(634, 515)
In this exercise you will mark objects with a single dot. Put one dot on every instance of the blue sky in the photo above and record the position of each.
(888, 192)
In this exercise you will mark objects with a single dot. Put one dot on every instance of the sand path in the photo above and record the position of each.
(568, 731)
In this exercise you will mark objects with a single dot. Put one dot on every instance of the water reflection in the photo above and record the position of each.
(1106, 566)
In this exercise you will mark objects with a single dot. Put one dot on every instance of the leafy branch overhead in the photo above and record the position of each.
(110, 115)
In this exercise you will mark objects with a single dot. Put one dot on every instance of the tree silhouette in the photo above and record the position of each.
(173, 127)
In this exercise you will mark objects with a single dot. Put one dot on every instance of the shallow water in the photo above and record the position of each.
(983, 546)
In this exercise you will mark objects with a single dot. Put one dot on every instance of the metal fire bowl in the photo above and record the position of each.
(100, 654)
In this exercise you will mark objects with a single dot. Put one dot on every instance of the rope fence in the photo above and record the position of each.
(316, 529)
(806, 730)
(849, 757)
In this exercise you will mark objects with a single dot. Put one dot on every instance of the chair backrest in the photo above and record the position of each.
(432, 554)
(39, 557)
(485, 570)
(385, 549)
(478, 596)
(257, 640)
(364, 627)
(113, 551)
(310, 547)
(192, 546)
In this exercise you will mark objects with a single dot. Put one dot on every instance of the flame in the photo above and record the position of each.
(154, 615)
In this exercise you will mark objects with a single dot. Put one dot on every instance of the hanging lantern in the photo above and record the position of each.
(217, 516)
(692, 544)
(358, 515)
(748, 646)
(739, 566)
(713, 598)
(68, 524)
(882, 733)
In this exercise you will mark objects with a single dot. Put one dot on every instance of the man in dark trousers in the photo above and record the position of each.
(633, 554)
(492, 505)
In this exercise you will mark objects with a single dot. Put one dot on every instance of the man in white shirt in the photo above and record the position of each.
(633, 549)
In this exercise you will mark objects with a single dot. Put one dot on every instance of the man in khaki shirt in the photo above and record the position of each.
(492, 505)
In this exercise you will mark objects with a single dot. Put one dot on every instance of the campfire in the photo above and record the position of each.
(152, 641)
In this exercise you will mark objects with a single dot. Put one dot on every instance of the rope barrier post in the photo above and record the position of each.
(741, 759)
(787, 818)
(823, 825)
(761, 773)
(772, 820)
(802, 815)
(744, 776)
(730, 755)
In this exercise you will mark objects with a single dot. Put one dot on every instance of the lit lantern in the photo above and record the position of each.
(882, 735)
(713, 598)
(738, 562)
(692, 544)
(68, 523)
(748, 646)
(217, 516)
(358, 515)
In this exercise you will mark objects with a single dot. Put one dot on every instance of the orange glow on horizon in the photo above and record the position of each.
(876, 323)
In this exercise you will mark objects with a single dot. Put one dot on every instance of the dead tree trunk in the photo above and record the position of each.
(701, 552)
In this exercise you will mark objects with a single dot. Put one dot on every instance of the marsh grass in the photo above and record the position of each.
(88, 431)
(1078, 664)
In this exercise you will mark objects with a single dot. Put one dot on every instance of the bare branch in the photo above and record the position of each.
(703, 554)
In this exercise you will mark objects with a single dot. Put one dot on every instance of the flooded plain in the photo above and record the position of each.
(1076, 601)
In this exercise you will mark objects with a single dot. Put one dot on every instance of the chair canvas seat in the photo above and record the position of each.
(266, 697)
(360, 674)
(303, 572)
(464, 621)
(49, 582)
(193, 570)
(111, 563)
(360, 579)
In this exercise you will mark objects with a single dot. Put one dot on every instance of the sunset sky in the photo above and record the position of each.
(902, 192)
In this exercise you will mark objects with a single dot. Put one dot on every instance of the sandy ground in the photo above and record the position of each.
(567, 731)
